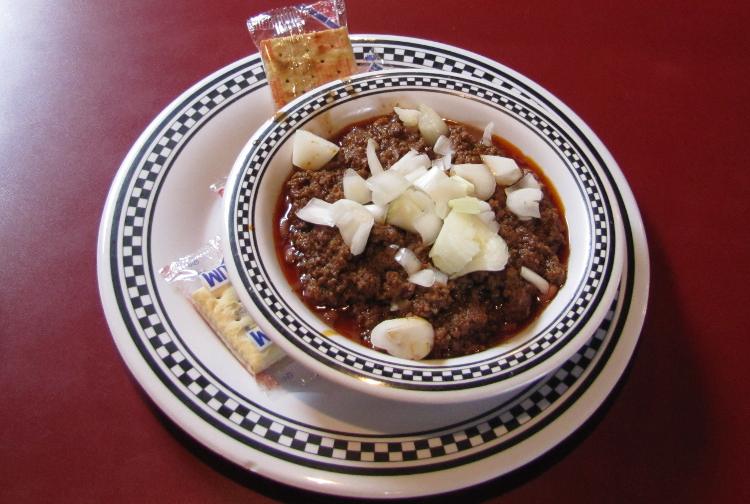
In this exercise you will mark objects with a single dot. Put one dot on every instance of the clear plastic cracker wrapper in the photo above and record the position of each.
(202, 278)
(302, 47)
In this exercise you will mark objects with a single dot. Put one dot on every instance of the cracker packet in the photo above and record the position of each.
(202, 278)
(302, 47)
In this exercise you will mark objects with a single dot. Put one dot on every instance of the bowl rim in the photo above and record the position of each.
(463, 387)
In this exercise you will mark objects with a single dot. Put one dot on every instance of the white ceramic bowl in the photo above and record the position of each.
(595, 234)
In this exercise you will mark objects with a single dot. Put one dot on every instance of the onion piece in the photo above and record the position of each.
(469, 205)
(467, 186)
(423, 278)
(428, 226)
(415, 174)
(317, 211)
(355, 187)
(343, 206)
(524, 202)
(403, 165)
(528, 181)
(430, 179)
(487, 134)
(444, 163)
(440, 277)
(446, 191)
(311, 152)
(414, 211)
(410, 162)
(466, 244)
(442, 189)
(431, 125)
(422, 200)
(493, 252)
(455, 246)
(372, 157)
(386, 187)
(378, 212)
(354, 222)
(409, 260)
(504, 169)
(406, 209)
(480, 176)
(490, 220)
(487, 216)
(443, 146)
(535, 279)
(407, 338)
(409, 117)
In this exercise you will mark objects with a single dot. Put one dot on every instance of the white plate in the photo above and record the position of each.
(322, 437)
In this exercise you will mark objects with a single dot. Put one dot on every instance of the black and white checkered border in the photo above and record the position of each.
(154, 161)
(424, 58)
(138, 299)
(288, 322)
(430, 446)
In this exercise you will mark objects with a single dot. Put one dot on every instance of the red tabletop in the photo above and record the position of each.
(665, 85)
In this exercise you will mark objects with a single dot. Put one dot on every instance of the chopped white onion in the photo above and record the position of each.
(469, 205)
(535, 279)
(386, 187)
(490, 220)
(415, 174)
(444, 189)
(428, 181)
(409, 260)
(311, 152)
(372, 157)
(443, 146)
(344, 206)
(422, 200)
(528, 181)
(410, 162)
(444, 163)
(378, 212)
(524, 202)
(468, 186)
(487, 134)
(446, 211)
(493, 251)
(355, 187)
(423, 278)
(440, 277)
(505, 170)
(354, 222)
(487, 216)
(403, 165)
(407, 338)
(494, 227)
(431, 125)
(466, 244)
(317, 211)
(455, 246)
(480, 176)
(409, 117)
(405, 210)
(428, 226)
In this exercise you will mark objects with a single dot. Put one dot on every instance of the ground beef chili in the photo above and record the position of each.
(355, 293)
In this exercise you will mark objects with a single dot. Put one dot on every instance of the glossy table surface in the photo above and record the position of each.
(666, 86)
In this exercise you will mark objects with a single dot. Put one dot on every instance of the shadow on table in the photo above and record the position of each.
(662, 451)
